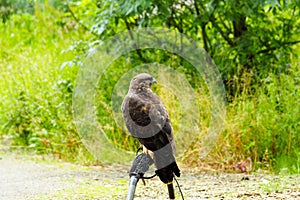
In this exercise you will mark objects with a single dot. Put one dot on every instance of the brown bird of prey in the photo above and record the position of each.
(147, 119)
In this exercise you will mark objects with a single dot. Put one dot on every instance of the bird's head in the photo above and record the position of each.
(142, 82)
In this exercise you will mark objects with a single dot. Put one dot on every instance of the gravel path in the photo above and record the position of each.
(29, 178)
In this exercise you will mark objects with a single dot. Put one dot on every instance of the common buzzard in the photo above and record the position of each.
(147, 119)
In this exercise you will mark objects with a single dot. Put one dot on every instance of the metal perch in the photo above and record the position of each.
(139, 167)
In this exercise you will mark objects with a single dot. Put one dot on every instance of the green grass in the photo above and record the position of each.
(106, 189)
(262, 126)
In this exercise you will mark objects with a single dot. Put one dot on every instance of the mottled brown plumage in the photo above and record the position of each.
(147, 119)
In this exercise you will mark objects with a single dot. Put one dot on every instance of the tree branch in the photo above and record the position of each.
(197, 9)
(281, 45)
(224, 35)
(213, 21)
(138, 51)
(225, 26)
(79, 22)
(203, 26)
(205, 37)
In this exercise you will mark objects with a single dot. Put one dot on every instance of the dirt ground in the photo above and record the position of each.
(28, 177)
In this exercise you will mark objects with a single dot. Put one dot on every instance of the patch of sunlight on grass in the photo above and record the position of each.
(106, 189)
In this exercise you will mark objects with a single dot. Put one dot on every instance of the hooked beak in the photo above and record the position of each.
(154, 81)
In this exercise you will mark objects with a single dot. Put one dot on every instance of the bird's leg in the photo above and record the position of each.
(147, 151)
(150, 153)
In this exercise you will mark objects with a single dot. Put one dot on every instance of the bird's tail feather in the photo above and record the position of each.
(166, 174)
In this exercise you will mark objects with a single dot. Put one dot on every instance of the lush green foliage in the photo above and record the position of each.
(36, 83)
(242, 36)
(252, 43)
(10, 7)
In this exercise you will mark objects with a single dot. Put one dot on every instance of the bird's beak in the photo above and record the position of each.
(154, 81)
